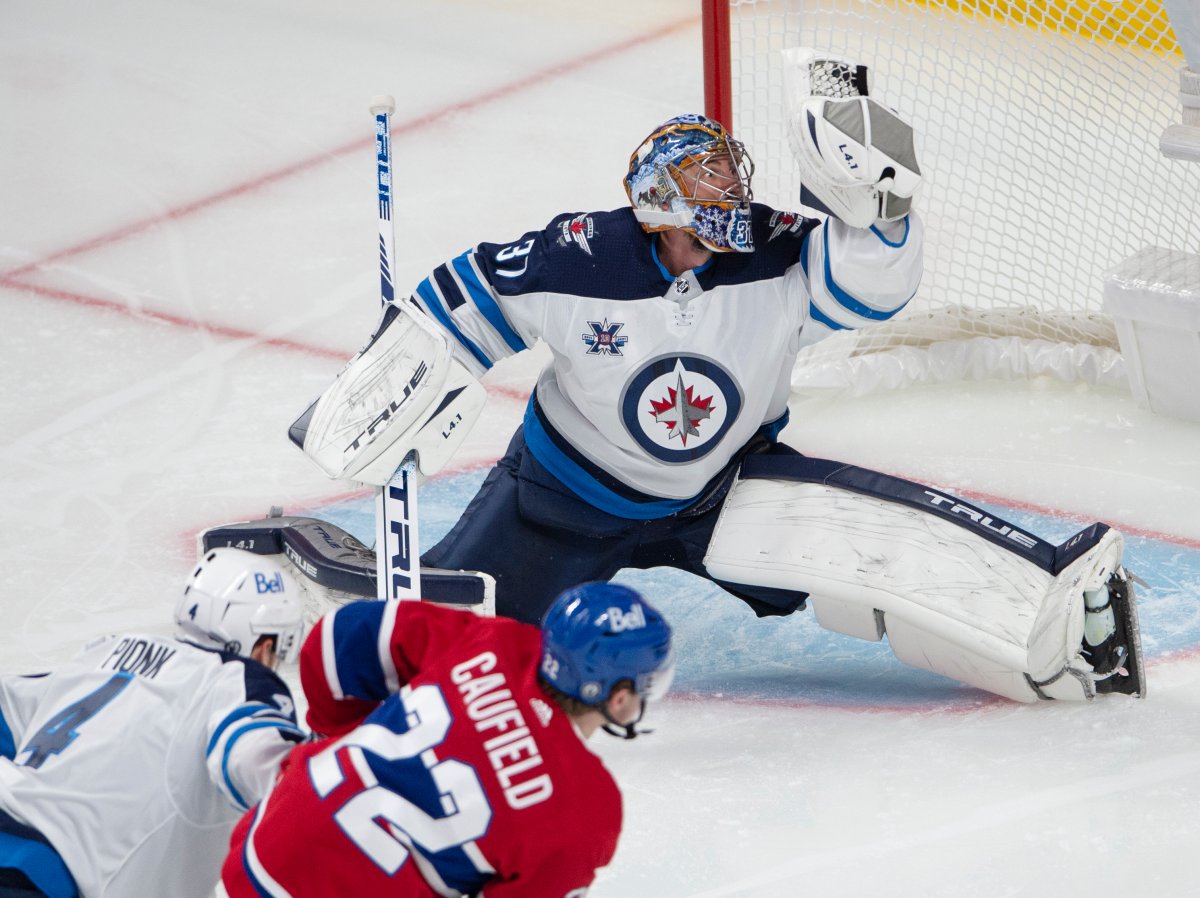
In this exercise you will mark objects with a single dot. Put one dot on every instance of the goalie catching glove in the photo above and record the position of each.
(857, 159)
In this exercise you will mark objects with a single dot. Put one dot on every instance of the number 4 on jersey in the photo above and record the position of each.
(60, 730)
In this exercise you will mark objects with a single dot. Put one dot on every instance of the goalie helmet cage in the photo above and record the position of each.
(1037, 127)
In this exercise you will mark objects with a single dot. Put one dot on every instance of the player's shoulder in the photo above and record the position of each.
(778, 240)
(779, 234)
(605, 255)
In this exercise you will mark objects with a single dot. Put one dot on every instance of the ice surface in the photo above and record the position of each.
(187, 256)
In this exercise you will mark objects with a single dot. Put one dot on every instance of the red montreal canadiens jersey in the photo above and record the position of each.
(446, 770)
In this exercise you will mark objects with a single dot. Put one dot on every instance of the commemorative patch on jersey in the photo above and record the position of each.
(678, 407)
(783, 223)
(579, 230)
(603, 338)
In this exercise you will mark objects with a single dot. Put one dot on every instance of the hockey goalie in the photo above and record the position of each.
(652, 437)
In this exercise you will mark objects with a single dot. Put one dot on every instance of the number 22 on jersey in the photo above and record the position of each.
(385, 825)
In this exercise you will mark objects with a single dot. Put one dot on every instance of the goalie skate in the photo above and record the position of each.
(1117, 661)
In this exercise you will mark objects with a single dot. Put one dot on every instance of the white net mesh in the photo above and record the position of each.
(1037, 124)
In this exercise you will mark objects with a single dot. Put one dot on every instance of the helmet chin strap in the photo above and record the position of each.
(623, 730)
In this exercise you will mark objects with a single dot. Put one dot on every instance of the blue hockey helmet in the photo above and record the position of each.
(690, 174)
(597, 635)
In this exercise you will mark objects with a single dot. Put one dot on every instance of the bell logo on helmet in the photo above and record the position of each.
(633, 619)
(263, 583)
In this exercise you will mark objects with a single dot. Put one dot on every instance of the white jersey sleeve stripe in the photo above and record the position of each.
(262, 881)
(390, 675)
(329, 658)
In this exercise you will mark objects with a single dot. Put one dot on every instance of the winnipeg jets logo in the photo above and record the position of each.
(603, 339)
(679, 407)
(784, 222)
(680, 411)
(579, 230)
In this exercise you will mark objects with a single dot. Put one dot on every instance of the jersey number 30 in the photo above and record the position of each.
(385, 825)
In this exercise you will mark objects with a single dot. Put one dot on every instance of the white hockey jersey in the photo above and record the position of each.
(136, 759)
(657, 381)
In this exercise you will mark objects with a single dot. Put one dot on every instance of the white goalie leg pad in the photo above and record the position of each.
(949, 600)
(403, 393)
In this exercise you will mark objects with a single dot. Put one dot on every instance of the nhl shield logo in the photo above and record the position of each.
(679, 407)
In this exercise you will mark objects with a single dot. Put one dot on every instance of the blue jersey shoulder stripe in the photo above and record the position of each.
(486, 303)
(355, 640)
(429, 297)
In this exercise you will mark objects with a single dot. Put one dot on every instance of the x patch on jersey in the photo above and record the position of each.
(603, 339)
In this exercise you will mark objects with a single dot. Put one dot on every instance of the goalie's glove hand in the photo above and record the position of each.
(857, 157)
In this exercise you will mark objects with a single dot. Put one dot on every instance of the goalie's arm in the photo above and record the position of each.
(858, 163)
(855, 277)
(468, 295)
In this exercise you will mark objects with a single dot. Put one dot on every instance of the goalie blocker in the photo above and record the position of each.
(956, 590)
(335, 567)
(403, 395)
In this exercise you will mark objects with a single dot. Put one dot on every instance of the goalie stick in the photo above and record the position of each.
(397, 535)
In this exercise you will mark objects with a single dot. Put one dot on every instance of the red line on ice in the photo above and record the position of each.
(534, 79)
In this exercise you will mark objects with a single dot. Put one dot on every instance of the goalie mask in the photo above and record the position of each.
(598, 635)
(691, 175)
(234, 598)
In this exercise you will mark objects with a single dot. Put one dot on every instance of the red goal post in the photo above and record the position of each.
(1037, 124)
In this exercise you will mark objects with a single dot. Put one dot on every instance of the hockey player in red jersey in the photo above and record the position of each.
(454, 760)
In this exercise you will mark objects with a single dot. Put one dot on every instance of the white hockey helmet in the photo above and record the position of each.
(234, 597)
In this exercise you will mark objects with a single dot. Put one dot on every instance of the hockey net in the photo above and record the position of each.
(1037, 124)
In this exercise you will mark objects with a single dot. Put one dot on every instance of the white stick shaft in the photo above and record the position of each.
(397, 537)
(397, 542)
